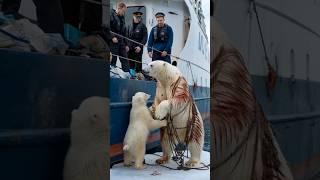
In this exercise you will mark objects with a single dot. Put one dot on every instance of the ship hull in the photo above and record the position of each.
(293, 111)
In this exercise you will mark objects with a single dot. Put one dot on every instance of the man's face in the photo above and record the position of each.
(160, 21)
(136, 19)
(121, 11)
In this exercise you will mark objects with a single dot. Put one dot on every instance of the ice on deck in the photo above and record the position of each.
(119, 172)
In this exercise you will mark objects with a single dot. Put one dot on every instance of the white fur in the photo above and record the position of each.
(141, 123)
(162, 110)
(166, 75)
(87, 156)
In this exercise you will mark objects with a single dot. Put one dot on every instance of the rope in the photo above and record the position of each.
(128, 59)
(261, 35)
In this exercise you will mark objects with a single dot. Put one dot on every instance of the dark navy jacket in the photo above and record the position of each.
(118, 25)
(161, 45)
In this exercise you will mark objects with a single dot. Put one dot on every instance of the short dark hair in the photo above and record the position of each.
(160, 14)
(121, 5)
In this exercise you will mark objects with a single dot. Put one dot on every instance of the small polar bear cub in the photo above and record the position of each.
(87, 157)
(140, 125)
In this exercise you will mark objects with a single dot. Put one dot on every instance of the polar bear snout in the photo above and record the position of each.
(140, 97)
(146, 70)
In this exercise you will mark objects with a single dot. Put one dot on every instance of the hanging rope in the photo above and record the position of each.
(272, 75)
(261, 35)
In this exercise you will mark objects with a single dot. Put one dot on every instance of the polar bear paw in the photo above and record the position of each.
(162, 110)
(192, 163)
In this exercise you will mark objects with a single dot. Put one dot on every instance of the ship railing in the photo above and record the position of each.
(171, 55)
(189, 63)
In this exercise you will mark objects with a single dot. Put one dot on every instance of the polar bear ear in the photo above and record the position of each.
(133, 98)
(147, 96)
(164, 64)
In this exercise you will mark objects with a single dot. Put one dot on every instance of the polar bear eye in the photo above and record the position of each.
(151, 65)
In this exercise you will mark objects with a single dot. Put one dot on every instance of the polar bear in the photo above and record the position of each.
(141, 123)
(173, 98)
(87, 157)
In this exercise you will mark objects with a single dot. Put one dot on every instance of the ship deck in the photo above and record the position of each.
(157, 172)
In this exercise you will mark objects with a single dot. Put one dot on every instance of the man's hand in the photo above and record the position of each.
(127, 48)
(137, 49)
(114, 40)
(150, 54)
(164, 53)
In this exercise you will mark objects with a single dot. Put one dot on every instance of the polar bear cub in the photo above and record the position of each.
(140, 125)
(87, 157)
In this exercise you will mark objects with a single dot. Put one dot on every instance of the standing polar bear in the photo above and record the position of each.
(173, 98)
(87, 157)
(141, 123)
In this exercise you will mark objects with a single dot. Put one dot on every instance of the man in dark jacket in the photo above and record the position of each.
(119, 45)
(137, 31)
(161, 39)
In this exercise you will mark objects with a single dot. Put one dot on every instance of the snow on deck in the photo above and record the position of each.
(119, 172)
